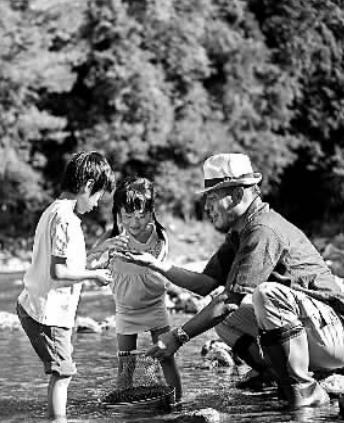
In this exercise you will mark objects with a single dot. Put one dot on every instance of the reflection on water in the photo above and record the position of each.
(23, 383)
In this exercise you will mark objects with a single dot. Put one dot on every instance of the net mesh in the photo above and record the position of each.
(139, 380)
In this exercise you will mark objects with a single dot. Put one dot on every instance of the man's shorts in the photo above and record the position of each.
(52, 344)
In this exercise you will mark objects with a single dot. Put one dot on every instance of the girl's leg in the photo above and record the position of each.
(169, 366)
(57, 396)
(126, 363)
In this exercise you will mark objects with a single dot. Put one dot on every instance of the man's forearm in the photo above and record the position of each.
(193, 281)
(209, 317)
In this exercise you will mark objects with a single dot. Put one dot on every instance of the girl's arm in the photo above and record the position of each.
(100, 254)
(99, 244)
(98, 249)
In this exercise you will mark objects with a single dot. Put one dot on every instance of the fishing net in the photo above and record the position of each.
(140, 381)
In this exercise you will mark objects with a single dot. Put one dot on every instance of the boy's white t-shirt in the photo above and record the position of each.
(58, 233)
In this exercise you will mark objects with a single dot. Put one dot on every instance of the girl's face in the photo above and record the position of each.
(136, 222)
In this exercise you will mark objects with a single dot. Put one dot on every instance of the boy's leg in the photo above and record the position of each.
(126, 362)
(53, 346)
(57, 395)
(169, 366)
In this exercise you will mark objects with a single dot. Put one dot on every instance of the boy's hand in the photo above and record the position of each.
(103, 277)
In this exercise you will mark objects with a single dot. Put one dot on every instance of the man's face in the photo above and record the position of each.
(220, 206)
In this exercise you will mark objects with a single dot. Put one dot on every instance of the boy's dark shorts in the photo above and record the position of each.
(53, 344)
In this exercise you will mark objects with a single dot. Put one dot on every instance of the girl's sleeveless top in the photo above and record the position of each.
(139, 292)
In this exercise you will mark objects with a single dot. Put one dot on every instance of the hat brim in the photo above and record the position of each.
(235, 182)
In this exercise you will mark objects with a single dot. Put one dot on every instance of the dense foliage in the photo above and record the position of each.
(158, 85)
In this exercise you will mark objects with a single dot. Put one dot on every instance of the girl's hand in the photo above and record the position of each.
(117, 243)
(103, 277)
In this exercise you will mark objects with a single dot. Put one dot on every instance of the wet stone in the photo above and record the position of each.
(204, 415)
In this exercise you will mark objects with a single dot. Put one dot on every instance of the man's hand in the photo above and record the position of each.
(166, 346)
(143, 259)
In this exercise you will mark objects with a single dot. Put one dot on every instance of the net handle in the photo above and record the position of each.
(130, 353)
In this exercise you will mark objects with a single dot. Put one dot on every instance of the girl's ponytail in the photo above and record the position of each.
(115, 229)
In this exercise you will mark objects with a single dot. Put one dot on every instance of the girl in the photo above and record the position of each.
(139, 292)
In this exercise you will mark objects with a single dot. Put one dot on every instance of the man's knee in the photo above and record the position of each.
(263, 294)
(274, 305)
(225, 334)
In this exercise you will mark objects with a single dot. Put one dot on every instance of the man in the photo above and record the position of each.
(277, 287)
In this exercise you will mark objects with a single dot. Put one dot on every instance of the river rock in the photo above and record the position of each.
(204, 415)
(195, 266)
(170, 304)
(9, 321)
(333, 384)
(87, 325)
(108, 323)
(218, 353)
(189, 303)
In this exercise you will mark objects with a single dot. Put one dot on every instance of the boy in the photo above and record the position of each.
(47, 305)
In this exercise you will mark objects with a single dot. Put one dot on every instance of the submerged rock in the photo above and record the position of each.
(87, 325)
(204, 415)
(9, 321)
(108, 323)
(218, 354)
(190, 303)
(333, 384)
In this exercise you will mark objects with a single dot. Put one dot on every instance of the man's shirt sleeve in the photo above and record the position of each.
(259, 252)
(220, 263)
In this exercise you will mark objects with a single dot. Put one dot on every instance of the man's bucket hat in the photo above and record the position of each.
(228, 170)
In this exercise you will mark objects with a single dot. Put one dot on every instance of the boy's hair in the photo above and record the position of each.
(85, 166)
(135, 194)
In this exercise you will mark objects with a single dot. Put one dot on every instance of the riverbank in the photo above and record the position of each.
(189, 242)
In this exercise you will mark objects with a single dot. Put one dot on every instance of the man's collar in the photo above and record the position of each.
(255, 207)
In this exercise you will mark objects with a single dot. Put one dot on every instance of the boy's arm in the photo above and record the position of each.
(65, 276)
(59, 270)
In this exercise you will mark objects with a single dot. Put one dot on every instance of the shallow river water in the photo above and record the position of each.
(23, 383)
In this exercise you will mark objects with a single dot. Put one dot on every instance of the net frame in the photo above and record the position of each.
(141, 384)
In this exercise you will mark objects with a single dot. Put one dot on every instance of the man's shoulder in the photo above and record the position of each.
(269, 221)
(266, 216)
